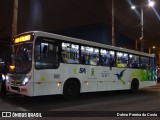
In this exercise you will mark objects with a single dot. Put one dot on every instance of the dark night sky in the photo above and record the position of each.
(50, 15)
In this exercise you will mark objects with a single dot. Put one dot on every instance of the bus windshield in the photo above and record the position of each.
(22, 58)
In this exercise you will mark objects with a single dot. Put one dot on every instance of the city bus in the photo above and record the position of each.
(50, 64)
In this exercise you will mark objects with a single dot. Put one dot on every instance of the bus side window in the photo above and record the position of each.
(83, 59)
(52, 53)
(85, 55)
(46, 54)
(107, 58)
(152, 64)
(122, 59)
(134, 61)
(94, 56)
(70, 53)
(144, 62)
(111, 61)
(89, 55)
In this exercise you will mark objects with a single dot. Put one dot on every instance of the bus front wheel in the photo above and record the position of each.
(134, 86)
(71, 89)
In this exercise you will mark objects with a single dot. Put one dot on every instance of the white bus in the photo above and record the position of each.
(49, 64)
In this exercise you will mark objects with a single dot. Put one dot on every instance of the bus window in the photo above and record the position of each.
(107, 58)
(46, 55)
(122, 59)
(70, 53)
(89, 55)
(152, 64)
(144, 62)
(134, 61)
(23, 57)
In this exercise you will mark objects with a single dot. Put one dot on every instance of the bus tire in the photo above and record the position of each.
(71, 89)
(134, 86)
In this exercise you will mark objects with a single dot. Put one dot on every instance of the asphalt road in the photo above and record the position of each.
(147, 99)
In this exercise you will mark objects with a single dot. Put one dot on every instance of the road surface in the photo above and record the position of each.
(147, 99)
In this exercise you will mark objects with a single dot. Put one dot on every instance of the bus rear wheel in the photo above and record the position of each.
(71, 89)
(134, 86)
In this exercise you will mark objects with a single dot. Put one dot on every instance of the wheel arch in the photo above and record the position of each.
(134, 83)
(73, 79)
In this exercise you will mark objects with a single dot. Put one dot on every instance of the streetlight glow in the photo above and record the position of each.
(133, 7)
(151, 3)
(153, 47)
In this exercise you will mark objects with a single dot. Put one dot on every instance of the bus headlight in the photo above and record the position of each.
(25, 81)
(3, 77)
(7, 78)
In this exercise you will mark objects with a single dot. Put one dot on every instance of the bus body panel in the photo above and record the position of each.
(47, 81)
(92, 78)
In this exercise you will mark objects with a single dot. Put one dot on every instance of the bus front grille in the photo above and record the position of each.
(15, 88)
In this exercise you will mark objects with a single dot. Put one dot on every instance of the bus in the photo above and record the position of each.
(49, 64)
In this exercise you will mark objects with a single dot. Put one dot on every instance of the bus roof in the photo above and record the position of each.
(85, 42)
